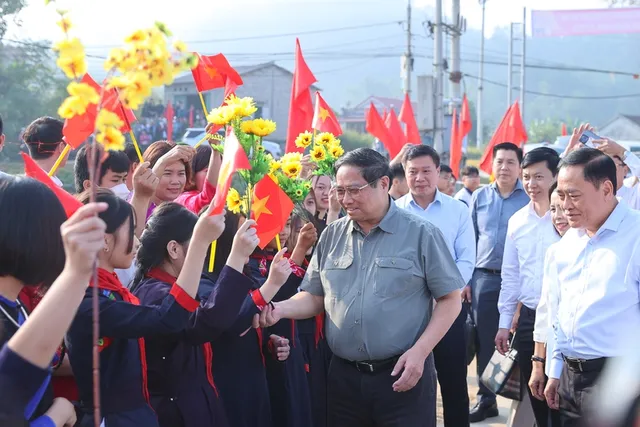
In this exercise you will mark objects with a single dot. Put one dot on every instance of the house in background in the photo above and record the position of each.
(354, 118)
(622, 128)
(268, 84)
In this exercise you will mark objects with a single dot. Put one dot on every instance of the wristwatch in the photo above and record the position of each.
(537, 359)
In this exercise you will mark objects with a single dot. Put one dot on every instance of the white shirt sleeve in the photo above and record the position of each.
(465, 247)
(543, 322)
(510, 290)
(551, 282)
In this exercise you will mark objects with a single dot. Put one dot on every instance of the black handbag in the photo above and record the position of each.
(502, 374)
(469, 333)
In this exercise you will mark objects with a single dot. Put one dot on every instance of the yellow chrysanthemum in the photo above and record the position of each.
(246, 126)
(234, 201)
(325, 139)
(65, 24)
(161, 75)
(111, 139)
(84, 91)
(69, 47)
(221, 116)
(138, 36)
(71, 107)
(273, 167)
(292, 170)
(291, 158)
(242, 107)
(107, 119)
(262, 127)
(304, 140)
(134, 88)
(318, 154)
(335, 150)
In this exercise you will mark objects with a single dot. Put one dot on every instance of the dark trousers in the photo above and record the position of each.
(575, 392)
(525, 346)
(485, 289)
(358, 399)
(451, 365)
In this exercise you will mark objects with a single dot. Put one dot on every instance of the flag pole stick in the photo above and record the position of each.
(212, 255)
(135, 145)
(56, 165)
(204, 107)
(278, 242)
(203, 139)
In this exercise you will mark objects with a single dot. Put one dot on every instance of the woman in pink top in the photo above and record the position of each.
(205, 168)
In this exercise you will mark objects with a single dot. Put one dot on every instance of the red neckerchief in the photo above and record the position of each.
(110, 282)
(159, 274)
(319, 328)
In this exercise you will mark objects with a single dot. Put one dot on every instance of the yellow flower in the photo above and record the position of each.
(83, 91)
(221, 116)
(134, 88)
(273, 167)
(71, 107)
(246, 126)
(73, 67)
(260, 148)
(234, 201)
(107, 119)
(335, 150)
(304, 140)
(161, 75)
(115, 58)
(299, 193)
(307, 185)
(325, 139)
(292, 170)
(65, 24)
(138, 36)
(69, 47)
(291, 158)
(242, 107)
(111, 139)
(179, 46)
(318, 154)
(262, 127)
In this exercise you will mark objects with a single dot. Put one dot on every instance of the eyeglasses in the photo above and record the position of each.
(352, 191)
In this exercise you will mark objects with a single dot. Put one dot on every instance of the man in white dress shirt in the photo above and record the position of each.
(45, 141)
(453, 218)
(594, 279)
(530, 232)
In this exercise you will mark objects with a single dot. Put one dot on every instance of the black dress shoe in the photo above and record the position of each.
(482, 411)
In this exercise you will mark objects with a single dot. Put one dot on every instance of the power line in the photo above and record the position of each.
(552, 95)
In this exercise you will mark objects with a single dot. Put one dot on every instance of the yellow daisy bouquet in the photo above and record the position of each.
(145, 61)
(286, 173)
(238, 112)
(324, 151)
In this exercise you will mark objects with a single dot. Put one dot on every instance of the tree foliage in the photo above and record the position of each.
(547, 130)
(351, 140)
(9, 9)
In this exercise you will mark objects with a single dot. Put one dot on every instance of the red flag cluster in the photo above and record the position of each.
(388, 129)
(511, 129)
(460, 128)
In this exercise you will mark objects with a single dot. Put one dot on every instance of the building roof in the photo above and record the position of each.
(243, 70)
(634, 119)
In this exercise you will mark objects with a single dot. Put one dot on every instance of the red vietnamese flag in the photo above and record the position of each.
(301, 107)
(377, 127)
(111, 101)
(563, 130)
(324, 119)
(455, 147)
(385, 114)
(32, 170)
(409, 119)
(168, 114)
(465, 123)
(270, 208)
(77, 129)
(234, 158)
(396, 132)
(511, 129)
(213, 72)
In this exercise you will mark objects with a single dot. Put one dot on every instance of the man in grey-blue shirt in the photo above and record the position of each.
(491, 208)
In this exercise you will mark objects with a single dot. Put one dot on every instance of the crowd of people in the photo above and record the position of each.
(352, 323)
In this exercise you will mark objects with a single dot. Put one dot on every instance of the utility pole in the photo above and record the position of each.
(479, 123)
(408, 56)
(523, 63)
(517, 61)
(438, 140)
(456, 31)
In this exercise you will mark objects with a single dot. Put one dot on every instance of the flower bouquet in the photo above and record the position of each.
(324, 151)
(286, 173)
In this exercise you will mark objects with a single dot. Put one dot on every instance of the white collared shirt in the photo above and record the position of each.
(547, 307)
(464, 196)
(528, 238)
(453, 219)
(596, 282)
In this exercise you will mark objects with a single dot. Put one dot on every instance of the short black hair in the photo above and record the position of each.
(542, 154)
(553, 188)
(509, 146)
(372, 164)
(118, 212)
(132, 154)
(470, 171)
(421, 151)
(199, 163)
(446, 169)
(117, 161)
(597, 166)
(43, 136)
(397, 171)
(31, 248)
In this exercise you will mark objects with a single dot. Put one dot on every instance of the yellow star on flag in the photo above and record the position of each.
(259, 207)
(324, 113)
(211, 72)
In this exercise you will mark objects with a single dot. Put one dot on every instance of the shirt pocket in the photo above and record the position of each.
(336, 276)
(394, 277)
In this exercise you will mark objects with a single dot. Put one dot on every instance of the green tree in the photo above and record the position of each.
(8, 10)
(547, 130)
(352, 140)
